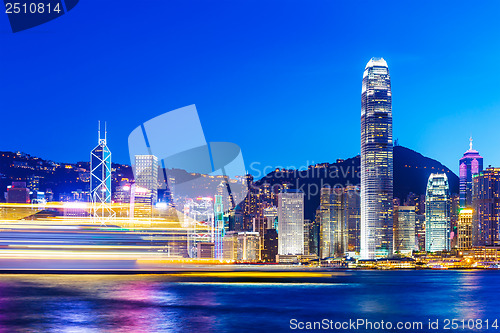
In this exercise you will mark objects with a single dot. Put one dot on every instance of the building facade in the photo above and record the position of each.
(437, 213)
(146, 174)
(471, 163)
(291, 222)
(376, 161)
(241, 246)
(464, 229)
(339, 217)
(404, 229)
(486, 205)
(270, 246)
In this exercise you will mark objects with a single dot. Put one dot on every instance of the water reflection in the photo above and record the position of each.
(149, 303)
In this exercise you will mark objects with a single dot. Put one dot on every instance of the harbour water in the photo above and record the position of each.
(162, 303)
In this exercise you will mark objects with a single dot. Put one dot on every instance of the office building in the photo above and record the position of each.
(241, 246)
(437, 213)
(471, 163)
(420, 231)
(404, 229)
(146, 174)
(376, 161)
(339, 216)
(248, 246)
(352, 213)
(464, 229)
(270, 249)
(291, 222)
(307, 227)
(486, 205)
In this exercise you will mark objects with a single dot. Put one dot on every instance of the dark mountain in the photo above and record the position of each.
(45, 174)
(411, 171)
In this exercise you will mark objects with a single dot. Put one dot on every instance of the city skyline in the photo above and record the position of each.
(258, 166)
(309, 99)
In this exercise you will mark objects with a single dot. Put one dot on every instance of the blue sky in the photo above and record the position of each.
(282, 79)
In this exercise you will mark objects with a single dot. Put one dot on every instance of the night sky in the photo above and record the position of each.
(282, 79)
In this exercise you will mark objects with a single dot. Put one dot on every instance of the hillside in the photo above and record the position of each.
(411, 171)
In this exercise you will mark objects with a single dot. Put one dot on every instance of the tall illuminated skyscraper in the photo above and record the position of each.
(437, 213)
(470, 164)
(100, 179)
(376, 161)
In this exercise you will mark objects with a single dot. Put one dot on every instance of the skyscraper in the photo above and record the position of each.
(437, 213)
(100, 179)
(339, 221)
(404, 229)
(353, 218)
(146, 174)
(470, 164)
(326, 244)
(464, 229)
(486, 203)
(376, 161)
(291, 222)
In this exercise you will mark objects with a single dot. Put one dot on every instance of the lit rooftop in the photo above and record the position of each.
(375, 61)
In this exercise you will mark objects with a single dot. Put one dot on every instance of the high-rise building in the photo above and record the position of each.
(437, 213)
(404, 229)
(219, 226)
(248, 246)
(419, 231)
(307, 229)
(291, 222)
(470, 164)
(454, 216)
(270, 249)
(486, 205)
(339, 221)
(146, 174)
(100, 179)
(333, 234)
(326, 245)
(271, 216)
(376, 161)
(464, 229)
(241, 246)
(352, 214)
(314, 230)
(418, 201)
(230, 247)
